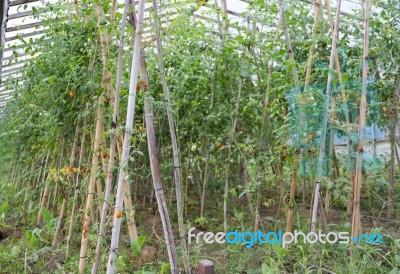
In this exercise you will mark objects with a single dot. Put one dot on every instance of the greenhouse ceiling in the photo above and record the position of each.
(20, 29)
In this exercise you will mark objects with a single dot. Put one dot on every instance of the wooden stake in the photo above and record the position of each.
(45, 195)
(324, 132)
(127, 139)
(65, 195)
(297, 87)
(77, 189)
(91, 187)
(175, 148)
(292, 195)
(393, 149)
(356, 220)
(158, 187)
(109, 174)
(346, 109)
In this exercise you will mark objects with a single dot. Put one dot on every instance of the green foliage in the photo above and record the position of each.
(47, 216)
(268, 269)
(201, 222)
(136, 246)
(165, 268)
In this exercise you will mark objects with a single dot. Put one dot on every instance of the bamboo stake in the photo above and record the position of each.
(346, 110)
(389, 212)
(129, 212)
(246, 180)
(98, 141)
(91, 187)
(224, 10)
(106, 85)
(231, 142)
(108, 184)
(292, 195)
(59, 163)
(133, 235)
(40, 171)
(266, 127)
(266, 122)
(205, 179)
(317, 6)
(175, 148)
(297, 87)
(127, 139)
(337, 63)
(60, 220)
(45, 194)
(224, 25)
(317, 198)
(158, 187)
(77, 189)
(65, 196)
(356, 220)
(393, 148)
(289, 47)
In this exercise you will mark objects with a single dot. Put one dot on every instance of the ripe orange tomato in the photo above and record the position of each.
(144, 85)
(118, 214)
(141, 85)
(71, 93)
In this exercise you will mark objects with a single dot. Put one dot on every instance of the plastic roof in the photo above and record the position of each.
(18, 22)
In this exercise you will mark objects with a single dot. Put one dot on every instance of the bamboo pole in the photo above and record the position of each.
(106, 84)
(158, 187)
(45, 195)
(133, 235)
(356, 229)
(266, 127)
(60, 219)
(327, 103)
(231, 142)
(289, 46)
(174, 140)
(59, 163)
(224, 10)
(393, 148)
(129, 212)
(346, 110)
(99, 142)
(40, 171)
(292, 194)
(317, 6)
(91, 187)
(108, 184)
(77, 189)
(223, 26)
(69, 172)
(127, 139)
(205, 179)
(297, 87)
